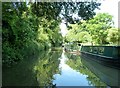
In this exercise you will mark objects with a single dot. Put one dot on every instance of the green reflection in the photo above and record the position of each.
(76, 63)
(22, 74)
(36, 70)
(46, 67)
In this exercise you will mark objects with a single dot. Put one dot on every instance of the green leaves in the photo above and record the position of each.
(113, 36)
(23, 27)
(18, 31)
(93, 30)
(97, 27)
(54, 10)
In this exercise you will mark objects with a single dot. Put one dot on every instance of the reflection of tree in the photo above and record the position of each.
(46, 67)
(78, 65)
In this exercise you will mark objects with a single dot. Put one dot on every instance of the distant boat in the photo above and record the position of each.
(76, 52)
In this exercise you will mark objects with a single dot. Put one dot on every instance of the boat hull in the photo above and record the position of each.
(108, 61)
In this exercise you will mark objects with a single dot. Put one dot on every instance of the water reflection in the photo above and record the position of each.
(79, 66)
(46, 68)
(108, 75)
(70, 74)
(58, 68)
(33, 71)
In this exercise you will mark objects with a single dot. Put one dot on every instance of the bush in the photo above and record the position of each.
(10, 55)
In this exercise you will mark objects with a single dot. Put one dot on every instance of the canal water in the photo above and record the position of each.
(59, 68)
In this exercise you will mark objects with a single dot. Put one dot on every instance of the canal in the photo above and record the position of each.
(59, 68)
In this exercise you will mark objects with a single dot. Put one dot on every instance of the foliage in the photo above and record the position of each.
(78, 33)
(9, 55)
(113, 36)
(66, 10)
(11, 34)
(36, 24)
(97, 27)
(85, 10)
(94, 31)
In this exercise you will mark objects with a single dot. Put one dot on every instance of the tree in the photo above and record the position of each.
(113, 36)
(93, 30)
(53, 10)
(78, 33)
(37, 25)
(97, 27)
(17, 31)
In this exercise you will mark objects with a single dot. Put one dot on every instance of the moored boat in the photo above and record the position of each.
(107, 55)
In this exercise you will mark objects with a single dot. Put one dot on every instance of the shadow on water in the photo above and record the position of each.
(58, 68)
(32, 71)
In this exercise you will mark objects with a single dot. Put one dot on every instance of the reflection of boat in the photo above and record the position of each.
(114, 63)
(106, 74)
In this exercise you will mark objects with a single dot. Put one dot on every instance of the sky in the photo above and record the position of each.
(63, 28)
(111, 7)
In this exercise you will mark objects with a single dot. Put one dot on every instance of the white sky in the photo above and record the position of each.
(111, 7)
(63, 28)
